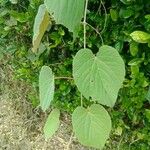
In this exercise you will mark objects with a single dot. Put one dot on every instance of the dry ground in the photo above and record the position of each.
(21, 125)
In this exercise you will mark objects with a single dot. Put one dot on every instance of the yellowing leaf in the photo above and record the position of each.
(140, 36)
(41, 23)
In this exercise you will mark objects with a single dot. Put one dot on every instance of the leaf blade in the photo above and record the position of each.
(70, 12)
(46, 87)
(42, 20)
(140, 36)
(52, 124)
(92, 126)
(100, 76)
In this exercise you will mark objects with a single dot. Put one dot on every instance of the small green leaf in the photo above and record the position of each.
(126, 13)
(42, 20)
(140, 36)
(126, 2)
(147, 114)
(14, 1)
(52, 124)
(149, 43)
(114, 14)
(135, 61)
(91, 126)
(66, 12)
(147, 16)
(46, 87)
(99, 77)
(133, 48)
(20, 16)
(119, 46)
(148, 95)
(135, 70)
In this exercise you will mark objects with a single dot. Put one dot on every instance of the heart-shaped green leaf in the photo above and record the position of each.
(91, 126)
(46, 87)
(99, 77)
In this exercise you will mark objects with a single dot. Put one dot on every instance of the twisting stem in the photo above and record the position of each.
(105, 17)
(96, 32)
(84, 22)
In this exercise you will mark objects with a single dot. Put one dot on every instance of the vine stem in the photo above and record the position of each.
(105, 17)
(84, 31)
(96, 32)
(67, 78)
(84, 23)
(81, 100)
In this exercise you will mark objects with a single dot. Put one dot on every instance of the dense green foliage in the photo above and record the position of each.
(116, 21)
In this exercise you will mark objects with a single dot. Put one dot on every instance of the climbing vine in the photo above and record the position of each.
(98, 76)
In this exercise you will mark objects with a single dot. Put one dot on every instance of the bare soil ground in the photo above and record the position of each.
(21, 126)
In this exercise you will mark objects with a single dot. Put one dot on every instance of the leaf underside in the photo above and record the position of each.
(52, 124)
(46, 87)
(99, 77)
(91, 126)
(66, 12)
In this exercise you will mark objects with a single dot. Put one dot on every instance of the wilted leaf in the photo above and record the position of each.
(41, 23)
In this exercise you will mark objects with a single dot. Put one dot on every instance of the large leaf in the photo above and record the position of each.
(91, 126)
(52, 123)
(99, 77)
(66, 12)
(140, 36)
(41, 23)
(46, 87)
